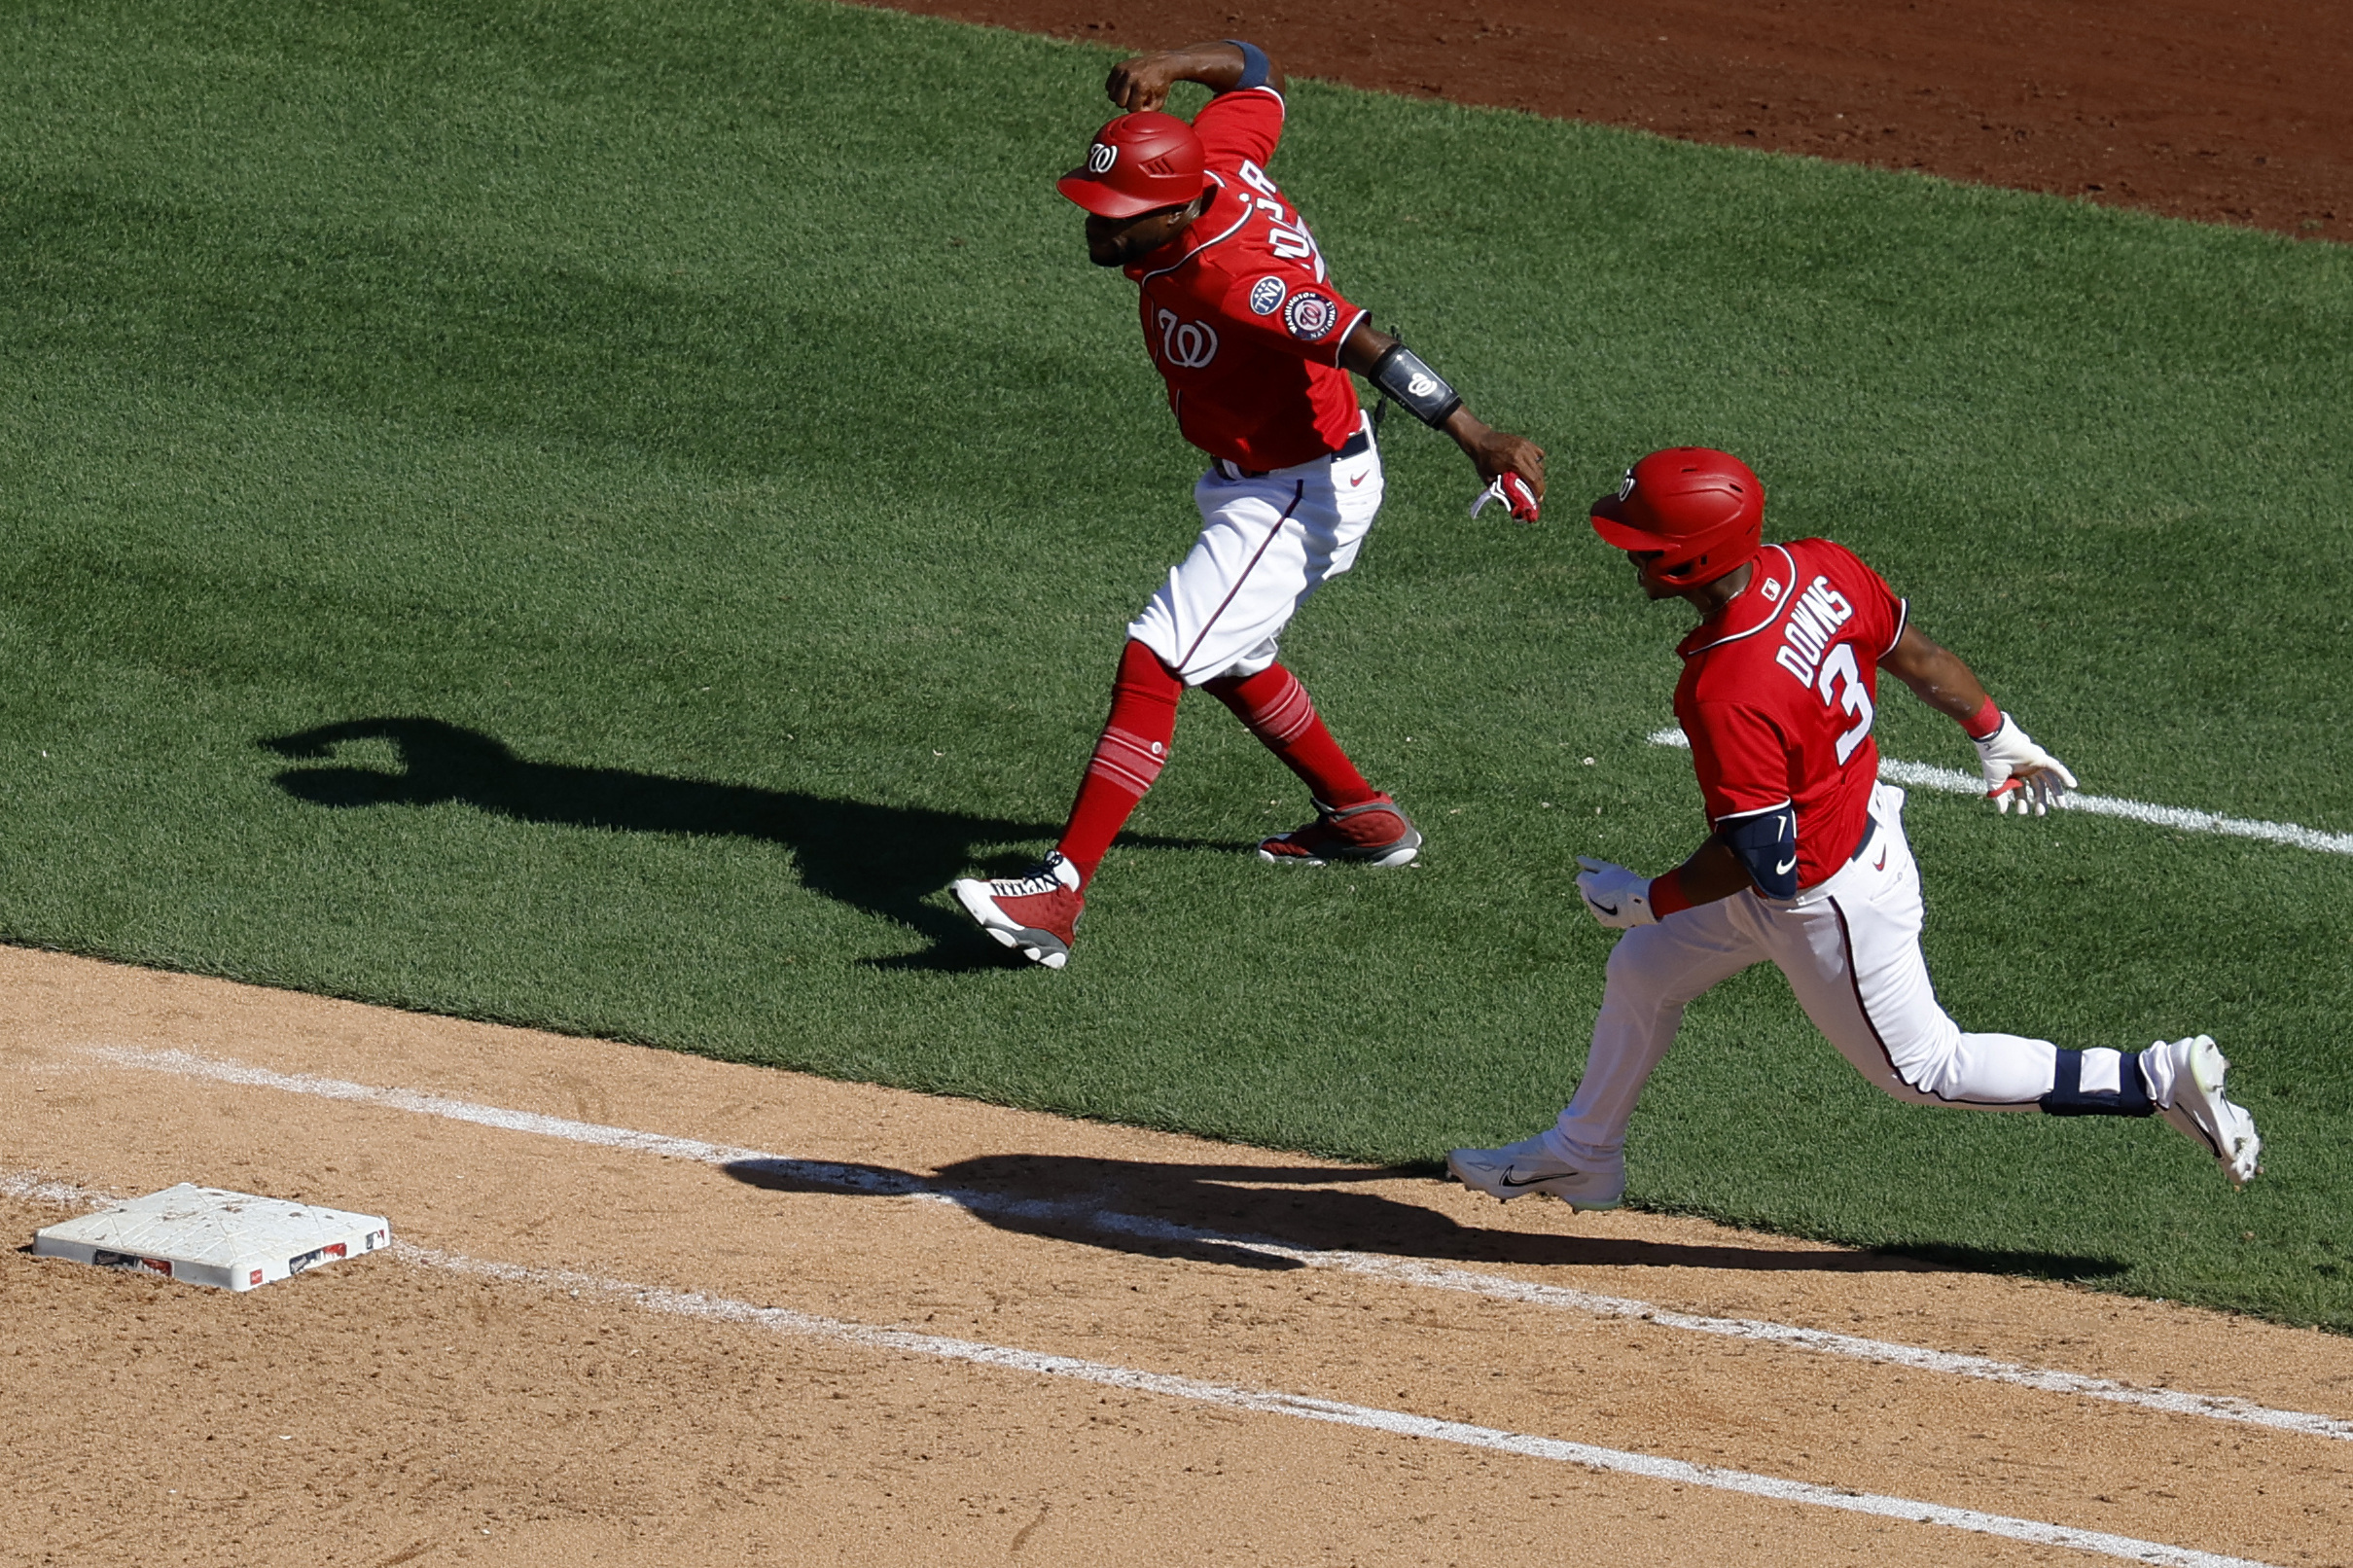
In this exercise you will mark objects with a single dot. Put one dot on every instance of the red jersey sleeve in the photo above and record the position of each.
(1282, 307)
(1741, 758)
(1240, 127)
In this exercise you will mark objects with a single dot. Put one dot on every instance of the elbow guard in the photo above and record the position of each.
(1255, 66)
(1767, 842)
(1401, 374)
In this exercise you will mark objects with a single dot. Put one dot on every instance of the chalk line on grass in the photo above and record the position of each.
(697, 1304)
(1951, 781)
(865, 1181)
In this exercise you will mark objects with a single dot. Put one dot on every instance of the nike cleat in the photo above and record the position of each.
(1037, 914)
(2201, 1115)
(1373, 834)
(1517, 1169)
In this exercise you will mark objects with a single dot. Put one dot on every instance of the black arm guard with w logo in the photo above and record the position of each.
(1401, 374)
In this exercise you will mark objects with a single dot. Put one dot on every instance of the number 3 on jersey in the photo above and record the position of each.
(1842, 683)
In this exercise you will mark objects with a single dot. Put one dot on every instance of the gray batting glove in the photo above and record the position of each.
(1619, 898)
(2018, 770)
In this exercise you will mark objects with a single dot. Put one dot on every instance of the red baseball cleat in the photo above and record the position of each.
(1373, 834)
(1037, 914)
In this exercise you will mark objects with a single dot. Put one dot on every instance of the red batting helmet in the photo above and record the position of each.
(1138, 162)
(1701, 508)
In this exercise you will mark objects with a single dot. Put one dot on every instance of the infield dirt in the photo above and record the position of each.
(395, 1409)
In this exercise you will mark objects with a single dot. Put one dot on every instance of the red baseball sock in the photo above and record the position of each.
(1279, 712)
(1126, 760)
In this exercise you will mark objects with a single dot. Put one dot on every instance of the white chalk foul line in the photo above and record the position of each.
(1265, 1402)
(1335, 1412)
(864, 1181)
(1922, 776)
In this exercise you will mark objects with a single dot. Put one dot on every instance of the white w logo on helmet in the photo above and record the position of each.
(1100, 157)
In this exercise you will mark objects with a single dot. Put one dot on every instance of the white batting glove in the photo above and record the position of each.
(2017, 769)
(1619, 898)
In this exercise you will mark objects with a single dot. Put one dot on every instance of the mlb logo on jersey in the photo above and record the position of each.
(1266, 294)
(1310, 316)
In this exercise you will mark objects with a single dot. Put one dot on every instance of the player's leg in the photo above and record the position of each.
(1854, 961)
(1038, 913)
(1852, 955)
(1653, 972)
(1330, 509)
(1127, 757)
(1353, 821)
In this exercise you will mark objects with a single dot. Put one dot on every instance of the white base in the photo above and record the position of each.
(208, 1237)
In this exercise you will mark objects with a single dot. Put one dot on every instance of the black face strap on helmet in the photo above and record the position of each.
(1767, 842)
(1401, 374)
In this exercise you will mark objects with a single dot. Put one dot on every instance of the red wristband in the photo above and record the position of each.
(1982, 725)
(1667, 895)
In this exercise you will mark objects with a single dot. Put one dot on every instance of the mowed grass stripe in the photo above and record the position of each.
(591, 516)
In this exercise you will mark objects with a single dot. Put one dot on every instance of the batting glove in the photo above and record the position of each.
(1619, 898)
(2017, 769)
(1513, 492)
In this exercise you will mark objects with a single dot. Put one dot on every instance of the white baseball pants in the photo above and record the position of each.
(1267, 542)
(1850, 946)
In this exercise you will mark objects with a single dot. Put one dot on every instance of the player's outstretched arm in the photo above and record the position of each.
(2015, 769)
(1512, 462)
(1222, 65)
(1621, 899)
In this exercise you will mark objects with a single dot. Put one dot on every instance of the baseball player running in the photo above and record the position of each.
(1807, 865)
(1242, 319)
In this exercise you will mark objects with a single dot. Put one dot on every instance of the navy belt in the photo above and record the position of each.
(1871, 831)
(1355, 445)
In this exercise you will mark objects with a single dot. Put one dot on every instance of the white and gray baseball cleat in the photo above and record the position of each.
(2202, 1114)
(1517, 1169)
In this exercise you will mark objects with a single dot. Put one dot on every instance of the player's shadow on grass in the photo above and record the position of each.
(886, 860)
(1265, 1216)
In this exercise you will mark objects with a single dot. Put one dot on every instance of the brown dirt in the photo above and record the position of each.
(2229, 111)
(385, 1410)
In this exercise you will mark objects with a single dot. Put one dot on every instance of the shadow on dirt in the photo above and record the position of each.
(1264, 1217)
(886, 860)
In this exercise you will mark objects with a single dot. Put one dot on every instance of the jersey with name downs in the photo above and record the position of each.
(1778, 693)
(1239, 312)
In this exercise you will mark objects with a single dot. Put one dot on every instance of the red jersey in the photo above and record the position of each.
(1238, 314)
(1779, 692)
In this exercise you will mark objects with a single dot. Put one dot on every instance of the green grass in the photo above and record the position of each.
(676, 466)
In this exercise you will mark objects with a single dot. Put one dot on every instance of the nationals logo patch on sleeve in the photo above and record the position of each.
(1310, 316)
(1266, 294)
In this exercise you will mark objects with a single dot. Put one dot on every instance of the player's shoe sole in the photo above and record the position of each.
(1398, 854)
(2200, 1112)
(1517, 1169)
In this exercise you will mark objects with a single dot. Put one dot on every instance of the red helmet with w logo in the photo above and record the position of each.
(1136, 163)
(1702, 510)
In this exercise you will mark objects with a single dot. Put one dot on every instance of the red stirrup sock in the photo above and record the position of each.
(1126, 760)
(1279, 712)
